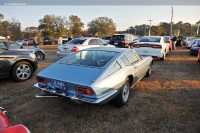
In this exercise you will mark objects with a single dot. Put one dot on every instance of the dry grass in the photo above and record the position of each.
(168, 101)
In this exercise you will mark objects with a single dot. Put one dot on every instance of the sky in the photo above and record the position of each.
(123, 16)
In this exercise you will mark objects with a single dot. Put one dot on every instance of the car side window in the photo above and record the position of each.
(2, 45)
(13, 45)
(100, 42)
(92, 42)
(125, 60)
(131, 57)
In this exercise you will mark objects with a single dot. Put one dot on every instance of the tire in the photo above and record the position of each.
(163, 58)
(39, 55)
(22, 71)
(149, 71)
(123, 96)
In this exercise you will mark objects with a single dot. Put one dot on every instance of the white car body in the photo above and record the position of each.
(158, 48)
(66, 49)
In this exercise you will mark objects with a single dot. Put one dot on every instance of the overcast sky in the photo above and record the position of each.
(123, 16)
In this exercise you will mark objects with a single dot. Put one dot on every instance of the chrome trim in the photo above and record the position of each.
(78, 97)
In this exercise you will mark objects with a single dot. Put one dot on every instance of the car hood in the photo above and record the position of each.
(71, 73)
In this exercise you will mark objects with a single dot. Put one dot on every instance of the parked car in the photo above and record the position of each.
(19, 65)
(80, 43)
(22, 42)
(198, 58)
(47, 40)
(30, 41)
(189, 41)
(64, 39)
(9, 45)
(169, 40)
(95, 75)
(123, 40)
(5, 126)
(106, 38)
(155, 46)
(195, 47)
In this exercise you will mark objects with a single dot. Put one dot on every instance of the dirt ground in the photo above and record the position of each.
(166, 102)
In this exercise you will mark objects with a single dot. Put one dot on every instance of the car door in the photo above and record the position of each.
(4, 63)
(140, 69)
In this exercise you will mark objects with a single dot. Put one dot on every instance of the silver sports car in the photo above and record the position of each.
(95, 75)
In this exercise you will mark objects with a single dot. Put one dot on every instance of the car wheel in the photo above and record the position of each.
(149, 71)
(122, 98)
(39, 55)
(163, 58)
(22, 71)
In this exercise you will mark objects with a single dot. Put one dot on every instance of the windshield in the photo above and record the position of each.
(76, 41)
(19, 40)
(118, 37)
(13, 45)
(90, 58)
(150, 39)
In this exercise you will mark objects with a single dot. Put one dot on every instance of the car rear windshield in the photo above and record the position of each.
(118, 37)
(76, 41)
(90, 58)
(150, 39)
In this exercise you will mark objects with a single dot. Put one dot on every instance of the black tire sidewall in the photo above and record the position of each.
(40, 54)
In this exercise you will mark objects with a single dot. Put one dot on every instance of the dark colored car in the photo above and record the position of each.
(19, 65)
(195, 47)
(47, 40)
(123, 40)
(39, 53)
(5, 126)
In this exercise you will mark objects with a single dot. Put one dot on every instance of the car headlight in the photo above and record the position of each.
(32, 55)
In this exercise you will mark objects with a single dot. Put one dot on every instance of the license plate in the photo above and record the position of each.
(115, 43)
(59, 84)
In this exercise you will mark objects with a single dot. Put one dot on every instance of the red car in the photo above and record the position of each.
(199, 56)
(5, 126)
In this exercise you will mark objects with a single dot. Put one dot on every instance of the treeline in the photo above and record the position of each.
(54, 26)
(163, 28)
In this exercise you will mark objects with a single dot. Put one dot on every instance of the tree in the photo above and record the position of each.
(104, 26)
(15, 29)
(53, 26)
(75, 25)
(1, 17)
(157, 30)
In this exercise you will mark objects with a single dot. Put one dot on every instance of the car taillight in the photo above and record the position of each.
(109, 42)
(157, 46)
(85, 91)
(41, 80)
(74, 49)
(123, 42)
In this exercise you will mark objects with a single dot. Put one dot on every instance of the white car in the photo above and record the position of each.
(81, 43)
(155, 46)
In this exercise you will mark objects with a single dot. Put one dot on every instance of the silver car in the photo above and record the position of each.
(95, 75)
(39, 53)
(80, 43)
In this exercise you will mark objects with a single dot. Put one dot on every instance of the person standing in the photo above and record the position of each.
(174, 40)
(70, 38)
